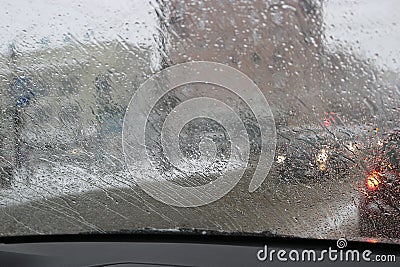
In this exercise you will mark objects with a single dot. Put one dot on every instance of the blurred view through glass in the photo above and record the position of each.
(328, 69)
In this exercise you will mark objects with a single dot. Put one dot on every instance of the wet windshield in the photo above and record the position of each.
(279, 117)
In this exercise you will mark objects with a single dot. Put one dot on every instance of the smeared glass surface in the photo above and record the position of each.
(329, 70)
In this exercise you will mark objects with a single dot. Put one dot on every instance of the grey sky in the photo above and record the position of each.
(42, 23)
(369, 27)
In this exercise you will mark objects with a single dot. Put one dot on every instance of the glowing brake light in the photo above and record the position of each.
(372, 240)
(374, 180)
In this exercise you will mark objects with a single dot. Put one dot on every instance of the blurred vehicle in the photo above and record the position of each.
(379, 211)
(331, 152)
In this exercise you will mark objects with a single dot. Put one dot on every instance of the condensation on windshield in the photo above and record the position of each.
(328, 69)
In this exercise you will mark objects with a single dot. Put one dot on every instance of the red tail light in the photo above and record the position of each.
(374, 180)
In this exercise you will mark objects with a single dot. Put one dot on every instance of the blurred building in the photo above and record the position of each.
(280, 46)
(67, 103)
(275, 43)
